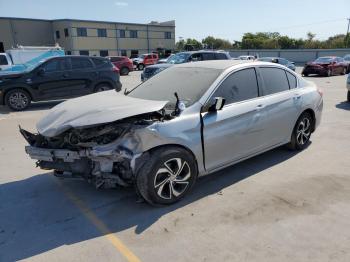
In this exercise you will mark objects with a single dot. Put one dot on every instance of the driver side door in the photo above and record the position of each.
(234, 132)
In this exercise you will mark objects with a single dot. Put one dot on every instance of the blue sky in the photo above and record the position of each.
(197, 19)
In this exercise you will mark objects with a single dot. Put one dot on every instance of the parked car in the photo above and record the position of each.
(246, 57)
(164, 133)
(165, 60)
(185, 57)
(326, 66)
(124, 64)
(348, 87)
(145, 60)
(278, 60)
(58, 78)
(152, 70)
(347, 62)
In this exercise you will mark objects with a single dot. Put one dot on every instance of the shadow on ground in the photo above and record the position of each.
(36, 216)
(33, 107)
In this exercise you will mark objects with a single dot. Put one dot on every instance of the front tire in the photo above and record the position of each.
(17, 100)
(167, 177)
(124, 71)
(140, 66)
(301, 132)
(102, 87)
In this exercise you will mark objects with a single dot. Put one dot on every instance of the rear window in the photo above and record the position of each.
(116, 59)
(100, 62)
(275, 80)
(3, 60)
(208, 56)
(81, 63)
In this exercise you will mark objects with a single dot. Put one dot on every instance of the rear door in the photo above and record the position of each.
(51, 79)
(283, 104)
(235, 131)
(83, 75)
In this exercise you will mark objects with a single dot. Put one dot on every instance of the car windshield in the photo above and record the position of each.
(324, 60)
(190, 83)
(178, 58)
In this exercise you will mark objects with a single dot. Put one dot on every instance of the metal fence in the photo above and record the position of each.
(299, 56)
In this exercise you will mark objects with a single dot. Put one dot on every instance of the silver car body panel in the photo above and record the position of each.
(237, 132)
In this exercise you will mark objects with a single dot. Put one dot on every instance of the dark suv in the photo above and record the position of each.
(58, 78)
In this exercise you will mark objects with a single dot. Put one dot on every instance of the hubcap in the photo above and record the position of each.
(172, 178)
(18, 100)
(303, 131)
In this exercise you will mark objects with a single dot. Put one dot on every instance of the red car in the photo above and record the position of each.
(326, 66)
(145, 60)
(123, 63)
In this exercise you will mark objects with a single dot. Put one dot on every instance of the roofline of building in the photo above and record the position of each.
(161, 24)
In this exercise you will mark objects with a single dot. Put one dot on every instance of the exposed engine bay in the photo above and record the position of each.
(105, 155)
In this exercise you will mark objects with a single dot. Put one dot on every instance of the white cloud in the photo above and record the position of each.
(122, 4)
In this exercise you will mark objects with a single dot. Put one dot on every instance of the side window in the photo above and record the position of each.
(208, 56)
(99, 62)
(292, 80)
(275, 80)
(80, 63)
(221, 56)
(196, 57)
(52, 66)
(239, 86)
(3, 60)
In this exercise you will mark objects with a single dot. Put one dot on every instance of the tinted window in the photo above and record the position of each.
(221, 56)
(103, 53)
(81, 31)
(275, 80)
(167, 35)
(99, 61)
(208, 56)
(80, 63)
(84, 52)
(101, 32)
(292, 80)
(3, 60)
(55, 65)
(239, 86)
(196, 57)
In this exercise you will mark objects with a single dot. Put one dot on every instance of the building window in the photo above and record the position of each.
(81, 31)
(103, 53)
(167, 35)
(66, 33)
(102, 32)
(133, 34)
(57, 34)
(123, 53)
(122, 33)
(84, 52)
(68, 52)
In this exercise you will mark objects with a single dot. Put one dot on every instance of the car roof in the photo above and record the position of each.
(223, 64)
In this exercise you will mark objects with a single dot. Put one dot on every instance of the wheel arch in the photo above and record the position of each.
(14, 88)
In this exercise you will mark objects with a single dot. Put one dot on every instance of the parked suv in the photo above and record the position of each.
(144, 60)
(124, 64)
(58, 78)
(183, 57)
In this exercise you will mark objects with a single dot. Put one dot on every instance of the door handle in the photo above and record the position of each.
(259, 107)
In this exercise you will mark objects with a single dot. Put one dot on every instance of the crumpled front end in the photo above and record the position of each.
(105, 155)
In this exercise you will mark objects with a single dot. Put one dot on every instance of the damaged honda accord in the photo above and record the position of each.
(190, 120)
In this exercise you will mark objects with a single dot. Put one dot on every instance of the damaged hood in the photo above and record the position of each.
(99, 108)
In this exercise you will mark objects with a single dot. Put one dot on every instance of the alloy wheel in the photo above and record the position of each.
(18, 100)
(303, 131)
(172, 178)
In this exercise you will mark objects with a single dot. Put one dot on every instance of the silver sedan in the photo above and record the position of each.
(189, 120)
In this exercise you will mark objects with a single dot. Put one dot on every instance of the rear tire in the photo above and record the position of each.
(167, 176)
(17, 99)
(348, 96)
(140, 66)
(102, 87)
(124, 71)
(301, 132)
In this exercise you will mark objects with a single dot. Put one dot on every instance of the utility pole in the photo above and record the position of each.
(347, 34)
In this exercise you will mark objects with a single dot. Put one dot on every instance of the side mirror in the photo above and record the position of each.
(218, 104)
(41, 72)
(275, 60)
